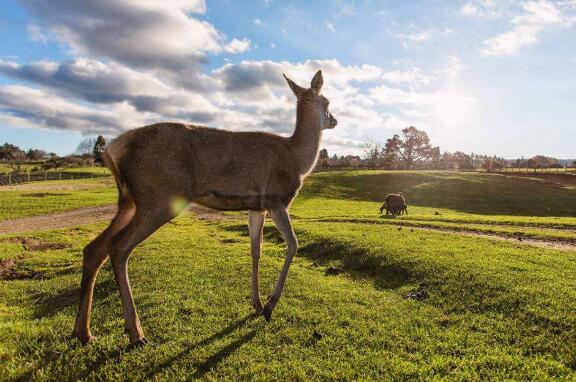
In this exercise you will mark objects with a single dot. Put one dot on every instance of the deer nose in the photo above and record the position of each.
(333, 120)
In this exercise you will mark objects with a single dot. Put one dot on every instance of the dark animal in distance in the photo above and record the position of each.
(161, 168)
(395, 204)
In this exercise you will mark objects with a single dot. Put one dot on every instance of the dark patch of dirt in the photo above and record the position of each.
(6, 267)
(315, 337)
(43, 194)
(333, 271)
(9, 270)
(418, 294)
(32, 244)
(229, 240)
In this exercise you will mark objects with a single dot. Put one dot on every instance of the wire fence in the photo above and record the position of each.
(18, 178)
(533, 170)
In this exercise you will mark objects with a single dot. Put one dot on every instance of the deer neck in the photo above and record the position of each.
(305, 141)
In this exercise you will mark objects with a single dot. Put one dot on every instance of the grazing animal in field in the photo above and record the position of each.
(160, 168)
(394, 204)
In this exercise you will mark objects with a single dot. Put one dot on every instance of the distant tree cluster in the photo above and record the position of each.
(539, 161)
(16, 157)
(409, 151)
(412, 150)
(88, 153)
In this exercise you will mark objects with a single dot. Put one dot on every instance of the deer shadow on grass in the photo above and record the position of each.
(48, 305)
(212, 361)
(355, 262)
(466, 291)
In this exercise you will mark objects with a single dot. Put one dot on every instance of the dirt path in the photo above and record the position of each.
(85, 216)
(554, 244)
(104, 213)
(529, 241)
(55, 185)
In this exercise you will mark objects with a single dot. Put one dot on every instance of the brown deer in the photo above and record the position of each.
(160, 168)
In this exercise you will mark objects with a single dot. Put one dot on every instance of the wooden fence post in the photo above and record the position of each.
(9, 178)
(28, 177)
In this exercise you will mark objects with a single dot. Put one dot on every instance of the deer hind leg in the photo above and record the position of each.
(255, 226)
(144, 223)
(95, 254)
(281, 219)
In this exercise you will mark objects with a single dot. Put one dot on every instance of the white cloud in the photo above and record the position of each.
(36, 33)
(536, 17)
(237, 46)
(484, 8)
(40, 108)
(415, 38)
(258, 22)
(386, 95)
(330, 26)
(412, 74)
(156, 33)
(470, 9)
(136, 62)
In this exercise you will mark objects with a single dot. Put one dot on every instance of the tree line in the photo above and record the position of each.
(412, 150)
(88, 154)
(409, 150)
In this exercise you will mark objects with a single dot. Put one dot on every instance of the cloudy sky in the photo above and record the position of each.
(485, 76)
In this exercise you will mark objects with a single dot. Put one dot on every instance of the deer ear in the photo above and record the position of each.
(317, 82)
(296, 89)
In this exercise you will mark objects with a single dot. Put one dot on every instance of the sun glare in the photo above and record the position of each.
(454, 108)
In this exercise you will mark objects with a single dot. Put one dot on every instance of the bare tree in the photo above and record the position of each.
(86, 146)
(372, 152)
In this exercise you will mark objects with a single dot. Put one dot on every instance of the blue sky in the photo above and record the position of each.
(484, 76)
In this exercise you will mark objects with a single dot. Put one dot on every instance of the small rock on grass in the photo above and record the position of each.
(332, 271)
(419, 294)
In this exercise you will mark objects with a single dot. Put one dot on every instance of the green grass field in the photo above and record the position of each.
(27, 167)
(40, 198)
(408, 304)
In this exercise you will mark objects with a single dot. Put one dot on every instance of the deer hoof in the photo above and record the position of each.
(267, 313)
(138, 343)
(258, 307)
(87, 340)
(84, 338)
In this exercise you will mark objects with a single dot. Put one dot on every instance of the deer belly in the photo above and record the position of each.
(238, 202)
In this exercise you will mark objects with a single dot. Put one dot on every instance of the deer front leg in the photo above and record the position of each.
(255, 226)
(281, 219)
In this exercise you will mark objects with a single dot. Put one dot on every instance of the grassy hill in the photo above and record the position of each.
(407, 304)
(474, 193)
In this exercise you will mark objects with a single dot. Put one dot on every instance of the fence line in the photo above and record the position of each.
(17, 178)
(534, 170)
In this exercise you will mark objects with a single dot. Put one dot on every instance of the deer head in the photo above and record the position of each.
(313, 100)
